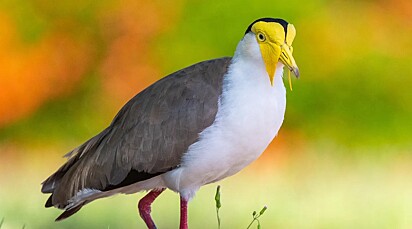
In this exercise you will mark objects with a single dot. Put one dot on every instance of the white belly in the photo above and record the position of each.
(249, 117)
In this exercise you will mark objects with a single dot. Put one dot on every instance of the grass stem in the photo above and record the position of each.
(218, 205)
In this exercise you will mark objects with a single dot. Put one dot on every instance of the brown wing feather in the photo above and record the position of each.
(147, 137)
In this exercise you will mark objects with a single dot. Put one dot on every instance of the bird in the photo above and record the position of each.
(191, 128)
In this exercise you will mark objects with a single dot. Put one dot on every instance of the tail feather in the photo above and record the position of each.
(69, 212)
(49, 202)
(52, 184)
(53, 181)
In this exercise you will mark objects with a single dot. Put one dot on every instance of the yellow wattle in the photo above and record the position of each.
(270, 57)
(290, 81)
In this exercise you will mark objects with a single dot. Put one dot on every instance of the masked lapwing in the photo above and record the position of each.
(193, 127)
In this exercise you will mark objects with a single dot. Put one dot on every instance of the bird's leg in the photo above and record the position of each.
(183, 213)
(145, 207)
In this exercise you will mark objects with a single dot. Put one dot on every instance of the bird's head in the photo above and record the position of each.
(271, 39)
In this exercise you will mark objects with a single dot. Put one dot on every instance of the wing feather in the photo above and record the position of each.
(147, 137)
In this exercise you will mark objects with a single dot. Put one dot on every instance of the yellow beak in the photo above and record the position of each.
(287, 59)
(272, 53)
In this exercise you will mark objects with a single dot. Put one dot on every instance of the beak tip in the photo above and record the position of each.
(296, 72)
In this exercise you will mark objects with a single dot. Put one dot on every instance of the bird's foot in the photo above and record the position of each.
(145, 207)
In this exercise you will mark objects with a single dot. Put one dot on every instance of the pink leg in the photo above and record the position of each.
(183, 213)
(145, 207)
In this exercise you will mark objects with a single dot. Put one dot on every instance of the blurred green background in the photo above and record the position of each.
(342, 159)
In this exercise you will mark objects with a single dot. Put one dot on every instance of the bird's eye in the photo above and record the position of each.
(261, 37)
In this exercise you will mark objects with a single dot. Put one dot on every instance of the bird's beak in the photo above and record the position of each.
(287, 59)
(274, 53)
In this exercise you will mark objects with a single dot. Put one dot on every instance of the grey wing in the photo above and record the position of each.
(147, 137)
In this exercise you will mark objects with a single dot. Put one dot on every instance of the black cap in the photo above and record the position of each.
(268, 19)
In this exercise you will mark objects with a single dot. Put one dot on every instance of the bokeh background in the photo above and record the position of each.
(342, 159)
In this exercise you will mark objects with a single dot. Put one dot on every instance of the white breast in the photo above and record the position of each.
(249, 116)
